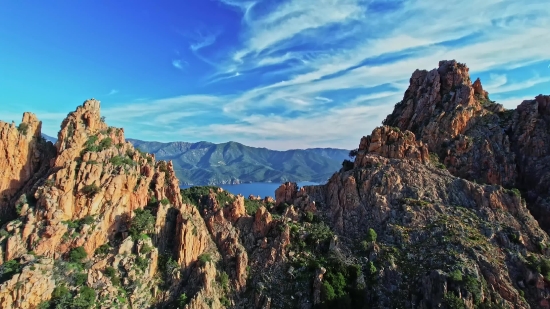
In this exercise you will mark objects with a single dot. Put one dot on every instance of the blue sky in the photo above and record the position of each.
(276, 74)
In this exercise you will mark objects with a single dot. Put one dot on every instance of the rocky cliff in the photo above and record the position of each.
(90, 219)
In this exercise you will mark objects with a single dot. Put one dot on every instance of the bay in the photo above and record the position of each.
(262, 189)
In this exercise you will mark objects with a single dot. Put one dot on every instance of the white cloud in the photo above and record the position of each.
(190, 103)
(519, 85)
(203, 41)
(112, 92)
(313, 54)
(288, 19)
(323, 99)
(179, 64)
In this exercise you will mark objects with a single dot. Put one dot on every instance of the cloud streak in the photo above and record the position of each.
(326, 72)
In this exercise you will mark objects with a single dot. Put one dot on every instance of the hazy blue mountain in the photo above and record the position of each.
(208, 163)
(49, 138)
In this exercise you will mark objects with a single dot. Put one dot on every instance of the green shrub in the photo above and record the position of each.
(146, 249)
(309, 216)
(515, 192)
(338, 283)
(453, 301)
(371, 235)
(225, 301)
(142, 263)
(110, 271)
(456, 275)
(115, 280)
(223, 279)
(44, 305)
(142, 222)
(103, 249)
(371, 268)
(85, 298)
(87, 220)
(8, 269)
(119, 160)
(90, 145)
(164, 201)
(328, 291)
(251, 206)
(105, 143)
(90, 190)
(60, 292)
(80, 278)
(347, 165)
(23, 128)
(204, 258)
(77, 254)
(182, 300)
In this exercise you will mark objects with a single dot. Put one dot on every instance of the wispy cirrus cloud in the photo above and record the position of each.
(179, 64)
(327, 72)
(112, 92)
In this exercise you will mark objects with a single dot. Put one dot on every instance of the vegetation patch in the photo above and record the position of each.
(252, 206)
(9, 269)
(90, 190)
(142, 223)
(23, 128)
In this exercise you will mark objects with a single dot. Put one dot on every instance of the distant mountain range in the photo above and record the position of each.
(205, 163)
(49, 138)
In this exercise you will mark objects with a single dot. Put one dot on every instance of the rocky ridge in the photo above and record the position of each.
(86, 208)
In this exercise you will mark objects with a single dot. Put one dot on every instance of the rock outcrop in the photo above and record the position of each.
(23, 154)
(391, 143)
(82, 199)
(476, 138)
(436, 233)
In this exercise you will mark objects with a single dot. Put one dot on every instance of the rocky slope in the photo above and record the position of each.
(206, 163)
(428, 215)
(78, 233)
(476, 138)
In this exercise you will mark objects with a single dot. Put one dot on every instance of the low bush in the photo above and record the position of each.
(76, 255)
(90, 190)
(347, 165)
(142, 223)
(103, 249)
(23, 128)
(204, 258)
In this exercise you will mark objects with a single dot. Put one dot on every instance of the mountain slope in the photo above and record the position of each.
(207, 163)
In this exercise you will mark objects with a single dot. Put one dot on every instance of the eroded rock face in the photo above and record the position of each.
(84, 194)
(29, 288)
(458, 122)
(286, 193)
(476, 138)
(95, 174)
(391, 143)
(439, 224)
(23, 153)
(531, 140)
